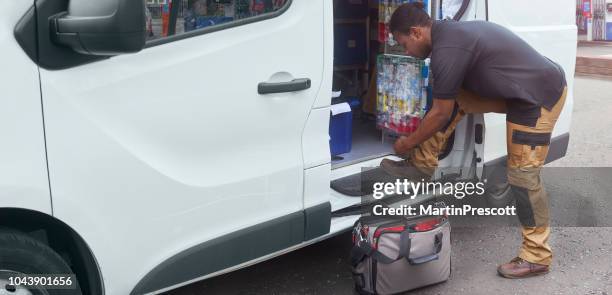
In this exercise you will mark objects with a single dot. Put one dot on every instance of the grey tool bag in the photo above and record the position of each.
(392, 255)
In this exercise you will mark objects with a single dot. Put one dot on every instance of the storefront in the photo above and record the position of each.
(594, 20)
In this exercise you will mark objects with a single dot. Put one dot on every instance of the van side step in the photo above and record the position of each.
(360, 184)
(365, 207)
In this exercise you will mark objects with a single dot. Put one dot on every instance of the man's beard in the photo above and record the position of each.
(424, 52)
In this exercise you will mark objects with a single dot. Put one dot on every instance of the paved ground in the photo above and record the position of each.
(583, 255)
(594, 59)
(591, 134)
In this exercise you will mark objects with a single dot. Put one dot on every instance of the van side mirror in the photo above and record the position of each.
(106, 27)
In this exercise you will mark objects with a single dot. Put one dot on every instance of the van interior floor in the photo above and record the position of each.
(367, 144)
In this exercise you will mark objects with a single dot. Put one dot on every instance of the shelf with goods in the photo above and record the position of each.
(401, 93)
(402, 82)
(385, 11)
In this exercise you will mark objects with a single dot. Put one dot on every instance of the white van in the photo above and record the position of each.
(141, 166)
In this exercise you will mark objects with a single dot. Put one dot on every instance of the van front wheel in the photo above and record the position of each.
(21, 255)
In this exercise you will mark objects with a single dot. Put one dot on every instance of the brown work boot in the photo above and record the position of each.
(518, 268)
(402, 169)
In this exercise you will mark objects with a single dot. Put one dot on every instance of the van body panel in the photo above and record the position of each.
(315, 139)
(159, 151)
(23, 170)
(338, 225)
(324, 96)
(225, 251)
(316, 185)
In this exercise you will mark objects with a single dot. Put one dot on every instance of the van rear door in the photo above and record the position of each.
(549, 27)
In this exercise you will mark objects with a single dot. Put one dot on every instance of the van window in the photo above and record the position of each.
(191, 15)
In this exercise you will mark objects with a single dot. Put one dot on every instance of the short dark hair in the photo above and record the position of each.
(407, 16)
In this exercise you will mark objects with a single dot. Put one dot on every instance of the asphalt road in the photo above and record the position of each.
(581, 237)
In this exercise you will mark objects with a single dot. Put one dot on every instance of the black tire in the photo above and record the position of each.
(21, 254)
(499, 195)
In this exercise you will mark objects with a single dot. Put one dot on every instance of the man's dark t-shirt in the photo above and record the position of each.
(494, 63)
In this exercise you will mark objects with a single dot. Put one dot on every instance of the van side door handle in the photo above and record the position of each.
(281, 87)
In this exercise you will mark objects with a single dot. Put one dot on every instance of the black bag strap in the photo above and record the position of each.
(363, 249)
(405, 244)
(357, 255)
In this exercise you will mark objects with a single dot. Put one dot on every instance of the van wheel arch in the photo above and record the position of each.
(62, 239)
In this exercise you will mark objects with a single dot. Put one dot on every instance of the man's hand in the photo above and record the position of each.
(435, 119)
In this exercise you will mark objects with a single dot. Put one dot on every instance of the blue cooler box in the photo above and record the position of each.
(340, 129)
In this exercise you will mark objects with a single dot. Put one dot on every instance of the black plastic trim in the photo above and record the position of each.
(25, 33)
(62, 239)
(238, 247)
(558, 147)
(220, 27)
(282, 87)
(317, 221)
(478, 133)
(50, 55)
(226, 251)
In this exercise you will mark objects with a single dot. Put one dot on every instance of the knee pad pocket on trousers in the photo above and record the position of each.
(524, 210)
(528, 178)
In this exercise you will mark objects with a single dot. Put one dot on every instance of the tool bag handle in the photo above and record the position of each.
(364, 249)
(404, 251)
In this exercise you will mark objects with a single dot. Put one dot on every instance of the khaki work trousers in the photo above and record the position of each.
(527, 147)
